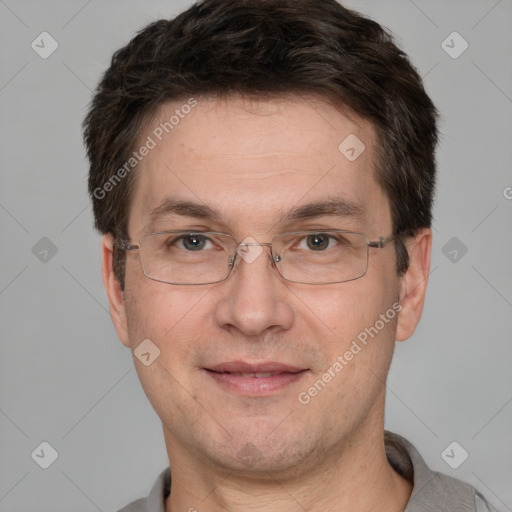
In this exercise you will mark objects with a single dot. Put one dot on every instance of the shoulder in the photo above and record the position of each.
(432, 491)
(155, 501)
(443, 492)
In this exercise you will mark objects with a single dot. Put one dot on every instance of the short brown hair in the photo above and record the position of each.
(266, 48)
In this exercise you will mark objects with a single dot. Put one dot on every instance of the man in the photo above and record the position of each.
(263, 174)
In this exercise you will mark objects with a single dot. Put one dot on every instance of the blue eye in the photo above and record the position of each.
(191, 242)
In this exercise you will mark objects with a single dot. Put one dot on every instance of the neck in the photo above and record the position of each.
(357, 477)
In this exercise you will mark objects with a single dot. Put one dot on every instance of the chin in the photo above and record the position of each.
(256, 452)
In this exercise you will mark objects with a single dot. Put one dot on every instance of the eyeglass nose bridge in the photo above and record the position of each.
(241, 244)
(234, 259)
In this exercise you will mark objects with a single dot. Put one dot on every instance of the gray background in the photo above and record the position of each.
(67, 380)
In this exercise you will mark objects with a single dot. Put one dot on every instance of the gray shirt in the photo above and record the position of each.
(432, 491)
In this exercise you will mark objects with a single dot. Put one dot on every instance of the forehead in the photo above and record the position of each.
(252, 161)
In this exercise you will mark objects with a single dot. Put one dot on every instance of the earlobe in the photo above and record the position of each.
(115, 294)
(413, 283)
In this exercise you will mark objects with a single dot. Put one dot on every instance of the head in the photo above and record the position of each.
(240, 110)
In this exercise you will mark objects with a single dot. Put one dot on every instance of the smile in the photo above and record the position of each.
(255, 380)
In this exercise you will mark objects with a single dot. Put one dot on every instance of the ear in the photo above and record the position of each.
(413, 283)
(113, 288)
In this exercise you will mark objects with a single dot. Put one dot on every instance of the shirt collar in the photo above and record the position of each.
(432, 491)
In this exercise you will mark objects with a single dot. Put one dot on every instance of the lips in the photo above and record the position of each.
(257, 375)
(255, 379)
(254, 370)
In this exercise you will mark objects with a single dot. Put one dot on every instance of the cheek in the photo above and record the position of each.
(168, 318)
(357, 322)
(158, 310)
(342, 311)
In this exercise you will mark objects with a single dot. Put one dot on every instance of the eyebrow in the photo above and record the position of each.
(171, 206)
(333, 206)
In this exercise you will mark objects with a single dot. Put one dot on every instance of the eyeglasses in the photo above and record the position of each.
(308, 257)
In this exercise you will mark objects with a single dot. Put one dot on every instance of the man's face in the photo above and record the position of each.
(253, 163)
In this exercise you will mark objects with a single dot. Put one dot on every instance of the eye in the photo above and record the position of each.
(191, 242)
(317, 241)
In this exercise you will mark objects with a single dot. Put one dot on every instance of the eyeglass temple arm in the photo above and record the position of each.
(125, 246)
(381, 242)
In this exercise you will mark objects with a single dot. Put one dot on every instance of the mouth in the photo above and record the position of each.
(255, 379)
(257, 375)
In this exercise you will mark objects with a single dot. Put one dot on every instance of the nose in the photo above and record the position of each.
(255, 299)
